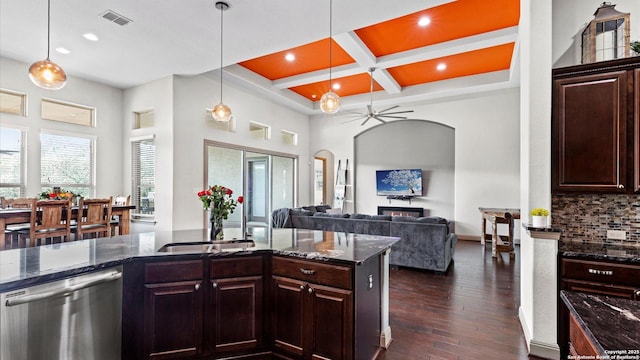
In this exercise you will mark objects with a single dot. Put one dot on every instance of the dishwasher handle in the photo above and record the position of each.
(64, 291)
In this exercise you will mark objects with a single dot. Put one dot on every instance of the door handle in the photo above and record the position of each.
(64, 291)
(307, 271)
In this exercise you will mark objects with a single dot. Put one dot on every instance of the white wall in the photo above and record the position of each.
(107, 100)
(487, 163)
(569, 20)
(191, 96)
(157, 96)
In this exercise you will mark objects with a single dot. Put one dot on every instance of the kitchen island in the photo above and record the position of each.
(294, 293)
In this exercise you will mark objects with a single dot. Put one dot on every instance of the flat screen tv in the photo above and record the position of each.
(404, 182)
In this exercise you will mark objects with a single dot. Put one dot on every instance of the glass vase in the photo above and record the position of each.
(217, 231)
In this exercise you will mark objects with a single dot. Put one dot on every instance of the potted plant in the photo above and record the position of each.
(539, 217)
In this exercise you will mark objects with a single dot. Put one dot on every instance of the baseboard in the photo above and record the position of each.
(537, 348)
(385, 337)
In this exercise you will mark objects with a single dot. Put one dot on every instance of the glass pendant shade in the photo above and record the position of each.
(47, 75)
(330, 102)
(221, 113)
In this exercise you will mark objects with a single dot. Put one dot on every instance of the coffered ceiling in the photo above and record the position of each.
(475, 42)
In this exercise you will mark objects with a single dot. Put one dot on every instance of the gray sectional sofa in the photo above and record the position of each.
(426, 243)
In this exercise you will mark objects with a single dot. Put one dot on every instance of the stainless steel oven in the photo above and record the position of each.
(74, 318)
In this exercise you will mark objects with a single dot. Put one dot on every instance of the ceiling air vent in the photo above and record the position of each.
(115, 17)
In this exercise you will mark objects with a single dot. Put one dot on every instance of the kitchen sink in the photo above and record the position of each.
(207, 246)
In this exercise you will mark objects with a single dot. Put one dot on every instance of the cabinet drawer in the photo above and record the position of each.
(169, 271)
(324, 274)
(626, 292)
(236, 266)
(602, 272)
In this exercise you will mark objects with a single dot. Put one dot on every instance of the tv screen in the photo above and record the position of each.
(406, 182)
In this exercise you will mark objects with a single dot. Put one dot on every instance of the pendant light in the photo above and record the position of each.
(330, 101)
(221, 112)
(45, 73)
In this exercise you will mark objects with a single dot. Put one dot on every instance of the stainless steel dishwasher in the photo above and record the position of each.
(75, 318)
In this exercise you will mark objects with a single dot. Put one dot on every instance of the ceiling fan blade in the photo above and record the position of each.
(379, 119)
(394, 117)
(395, 112)
(367, 119)
(391, 108)
(352, 120)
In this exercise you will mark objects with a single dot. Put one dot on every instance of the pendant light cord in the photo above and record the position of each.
(48, 28)
(221, 47)
(330, 42)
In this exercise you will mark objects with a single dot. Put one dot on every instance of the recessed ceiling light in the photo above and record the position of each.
(90, 36)
(336, 86)
(290, 57)
(441, 66)
(62, 50)
(424, 21)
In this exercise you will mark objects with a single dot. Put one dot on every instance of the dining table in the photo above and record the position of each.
(22, 216)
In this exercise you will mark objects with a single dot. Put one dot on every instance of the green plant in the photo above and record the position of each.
(635, 47)
(539, 212)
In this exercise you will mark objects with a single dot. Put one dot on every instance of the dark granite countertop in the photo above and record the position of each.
(613, 324)
(600, 251)
(25, 267)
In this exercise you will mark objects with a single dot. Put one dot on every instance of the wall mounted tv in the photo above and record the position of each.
(404, 182)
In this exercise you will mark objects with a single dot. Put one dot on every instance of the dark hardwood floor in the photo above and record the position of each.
(469, 313)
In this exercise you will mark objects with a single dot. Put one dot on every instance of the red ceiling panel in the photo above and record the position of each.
(349, 85)
(450, 21)
(470, 63)
(308, 58)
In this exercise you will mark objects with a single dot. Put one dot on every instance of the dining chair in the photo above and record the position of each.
(12, 231)
(50, 219)
(94, 218)
(115, 219)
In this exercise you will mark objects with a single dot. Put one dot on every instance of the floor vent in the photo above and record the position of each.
(115, 17)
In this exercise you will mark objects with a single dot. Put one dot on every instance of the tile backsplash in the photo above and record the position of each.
(587, 217)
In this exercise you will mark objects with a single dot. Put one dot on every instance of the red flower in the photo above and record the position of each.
(229, 191)
(208, 192)
(53, 195)
(240, 199)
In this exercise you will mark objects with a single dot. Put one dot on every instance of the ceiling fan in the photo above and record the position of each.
(381, 115)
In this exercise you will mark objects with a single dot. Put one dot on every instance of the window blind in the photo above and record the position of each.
(11, 164)
(143, 173)
(67, 162)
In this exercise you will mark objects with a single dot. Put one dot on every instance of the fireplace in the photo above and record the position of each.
(400, 211)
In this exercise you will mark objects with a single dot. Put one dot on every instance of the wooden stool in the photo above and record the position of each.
(499, 243)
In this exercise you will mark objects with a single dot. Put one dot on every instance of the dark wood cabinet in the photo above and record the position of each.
(599, 277)
(236, 305)
(312, 320)
(169, 286)
(593, 128)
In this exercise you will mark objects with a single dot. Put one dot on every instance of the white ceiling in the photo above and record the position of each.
(169, 37)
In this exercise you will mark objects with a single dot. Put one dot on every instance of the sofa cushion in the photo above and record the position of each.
(404, 219)
(379, 217)
(433, 220)
(323, 208)
(358, 216)
(322, 214)
(301, 212)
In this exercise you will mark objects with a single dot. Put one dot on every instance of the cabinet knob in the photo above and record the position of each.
(215, 285)
(637, 294)
(301, 287)
(310, 290)
(197, 286)
(620, 186)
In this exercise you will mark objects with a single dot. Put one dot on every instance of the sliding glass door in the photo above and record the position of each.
(266, 180)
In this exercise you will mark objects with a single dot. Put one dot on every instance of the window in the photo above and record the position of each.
(289, 138)
(67, 161)
(143, 174)
(143, 119)
(12, 183)
(67, 112)
(259, 131)
(12, 102)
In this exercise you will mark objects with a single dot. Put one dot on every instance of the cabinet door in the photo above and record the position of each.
(288, 315)
(173, 320)
(636, 122)
(236, 305)
(332, 323)
(589, 133)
